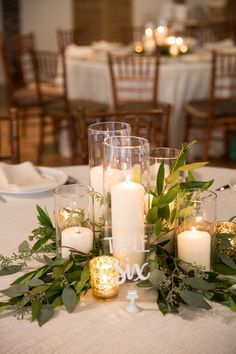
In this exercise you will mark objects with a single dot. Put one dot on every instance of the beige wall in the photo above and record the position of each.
(43, 17)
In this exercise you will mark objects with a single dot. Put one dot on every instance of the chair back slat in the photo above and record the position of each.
(134, 79)
(9, 127)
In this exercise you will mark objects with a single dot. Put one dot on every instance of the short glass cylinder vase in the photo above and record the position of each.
(224, 247)
(97, 132)
(196, 216)
(126, 177)
(104, 277)
(74, 219)
(167, 156)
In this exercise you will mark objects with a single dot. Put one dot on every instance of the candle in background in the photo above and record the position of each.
(76, 237)
(127, 210)
(194, 246)
(112, 176)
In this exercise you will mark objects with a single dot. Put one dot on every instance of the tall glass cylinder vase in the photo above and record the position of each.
(196, 217)
(97, 132)
(74, 219)
(127, 158)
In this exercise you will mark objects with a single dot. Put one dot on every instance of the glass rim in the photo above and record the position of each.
(65, 191)
(116, 137)
(177, 151)
(207, 195)
(91, 127)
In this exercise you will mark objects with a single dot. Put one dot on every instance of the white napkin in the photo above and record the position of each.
(23, 177)
(221, 45)
(78, 51)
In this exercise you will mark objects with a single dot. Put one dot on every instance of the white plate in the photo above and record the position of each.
(59, 176)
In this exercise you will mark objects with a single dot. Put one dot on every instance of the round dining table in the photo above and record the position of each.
(107, 327)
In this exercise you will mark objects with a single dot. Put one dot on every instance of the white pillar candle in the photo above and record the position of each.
(96, 181)
(127, 210)
(76, 237)
(194, 246)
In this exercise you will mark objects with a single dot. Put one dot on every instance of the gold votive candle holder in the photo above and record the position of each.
(104, 276)
(224, 244)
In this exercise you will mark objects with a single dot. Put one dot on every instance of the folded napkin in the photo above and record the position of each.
(221, 45)
(23, 177)
(78, 51)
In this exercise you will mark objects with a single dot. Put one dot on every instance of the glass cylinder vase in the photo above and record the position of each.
(74, 219)
(97, 132)
(126, 177)
(196, 216)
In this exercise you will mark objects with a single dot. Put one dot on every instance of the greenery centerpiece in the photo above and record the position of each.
(62, 281)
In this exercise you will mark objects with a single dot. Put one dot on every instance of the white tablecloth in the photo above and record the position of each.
(180, 80)
(98, 327)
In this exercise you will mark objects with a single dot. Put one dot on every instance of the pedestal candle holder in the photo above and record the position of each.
(74, 219)
(126, 236)
(196, 216)
(97, 132)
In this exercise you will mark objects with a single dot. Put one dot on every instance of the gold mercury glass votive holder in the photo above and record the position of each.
(224, 242)
(104, 277)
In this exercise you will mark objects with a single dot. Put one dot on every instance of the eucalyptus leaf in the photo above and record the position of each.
(15, 290)
(228, 261)
(158, 227)
(69, 298)
(35, 308)
(152, 215)
(194, 299)
(34, 282)
(197, 283)
(231, 303)
(45, 314)
(57, 301)
(168, 197)
(192, 166)
(24, 247)
(223, 269)
(10, 269)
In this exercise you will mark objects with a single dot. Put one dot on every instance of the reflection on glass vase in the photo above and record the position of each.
(74, 219)
(127, 158)
(196, 216)
(97, 132)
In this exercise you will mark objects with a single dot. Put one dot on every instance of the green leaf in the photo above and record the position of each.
(57, 272)
(4, 307)
(24, 277)
(158, 227)
(144, 284)
(223, 269)
(45, 314)
(194, 299)
(43, 217)
(152, 215)
(15, 290)
(57, 302)
(231, 303)
(196, 184)
(48, 261)
(191, 176)
(10, 270)
(197, 283)
(69, 298)
(168, 197)
(39, 289)
(24, 247)
(228, 261)
(192, 166)
(160, 179)
(34, 282)
(35, 308)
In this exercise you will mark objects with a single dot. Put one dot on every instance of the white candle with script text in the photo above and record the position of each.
(76, 237)
(112, 176)
(194, 246)
(127, 210)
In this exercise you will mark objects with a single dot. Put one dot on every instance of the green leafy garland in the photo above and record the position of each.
(61, 282)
